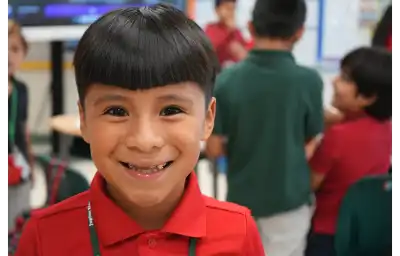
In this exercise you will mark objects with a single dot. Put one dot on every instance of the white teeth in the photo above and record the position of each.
(161, 166)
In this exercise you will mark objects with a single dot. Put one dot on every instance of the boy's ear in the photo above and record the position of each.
(299, 34)
(82, 123)
(366, 101)
(209, 120)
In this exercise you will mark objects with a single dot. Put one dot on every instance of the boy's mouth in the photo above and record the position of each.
(146, 170)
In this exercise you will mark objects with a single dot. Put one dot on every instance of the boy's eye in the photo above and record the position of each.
(169, 111)
(116, 111)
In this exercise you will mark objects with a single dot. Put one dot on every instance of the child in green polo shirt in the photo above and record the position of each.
(268, 108)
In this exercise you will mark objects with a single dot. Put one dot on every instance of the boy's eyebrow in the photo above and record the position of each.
(175, 97)
(119, 97)
(109, 97)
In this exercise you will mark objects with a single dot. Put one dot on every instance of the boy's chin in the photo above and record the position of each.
(145, 199)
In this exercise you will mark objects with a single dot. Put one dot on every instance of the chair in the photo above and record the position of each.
(364, 225)
(62, 181)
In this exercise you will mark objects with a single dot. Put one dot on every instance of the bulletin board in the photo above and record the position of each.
(347, 24)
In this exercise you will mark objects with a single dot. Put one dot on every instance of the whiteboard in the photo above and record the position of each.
(341, 31)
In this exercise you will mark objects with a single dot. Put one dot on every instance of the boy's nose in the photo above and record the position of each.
(145, 139)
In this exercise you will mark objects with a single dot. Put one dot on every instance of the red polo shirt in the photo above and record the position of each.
(221, 38)
(348, 152)
(221, 228)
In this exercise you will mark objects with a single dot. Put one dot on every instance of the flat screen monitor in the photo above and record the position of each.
(52, 20)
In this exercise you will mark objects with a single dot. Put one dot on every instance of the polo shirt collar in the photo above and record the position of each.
(355, 116)
(265, 57)
(113, 225)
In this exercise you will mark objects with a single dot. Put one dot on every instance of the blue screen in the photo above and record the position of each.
(71, 12)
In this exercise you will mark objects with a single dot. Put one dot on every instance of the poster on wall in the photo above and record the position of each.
(347, 25)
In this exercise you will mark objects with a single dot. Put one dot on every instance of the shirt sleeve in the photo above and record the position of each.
(218, 37)
(252, 245)
(326, 154)
(23, 102)
(315, 113)
(240, 38)
(28, 243)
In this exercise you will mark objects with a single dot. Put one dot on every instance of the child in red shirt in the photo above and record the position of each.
(227, 40)
(145, 77)
(20, 157)
(359, 146)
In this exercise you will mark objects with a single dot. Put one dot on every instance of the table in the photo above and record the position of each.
(66, 124)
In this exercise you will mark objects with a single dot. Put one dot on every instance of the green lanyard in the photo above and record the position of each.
(95, 241)
(13, 118)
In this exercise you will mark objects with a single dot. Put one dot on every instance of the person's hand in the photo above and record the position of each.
(332, 117)
(238, 50)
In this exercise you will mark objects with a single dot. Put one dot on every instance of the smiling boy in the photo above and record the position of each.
(145, 78)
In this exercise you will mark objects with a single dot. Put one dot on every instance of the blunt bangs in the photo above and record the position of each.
(144, 48)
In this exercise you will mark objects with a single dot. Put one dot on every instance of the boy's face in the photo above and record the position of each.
(16, 53)
(346, 97)
(226, 11)
(146, 142)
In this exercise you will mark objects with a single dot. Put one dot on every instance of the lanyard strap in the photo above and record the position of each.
(13, 118)
(95, 240)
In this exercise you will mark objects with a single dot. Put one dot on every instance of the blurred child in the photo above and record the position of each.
(20, 160)
(360, 145)
(145, 78)
(268, 108)
(227, 40)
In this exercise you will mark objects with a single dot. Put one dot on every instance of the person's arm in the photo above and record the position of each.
(218, 37)
(324, 158)
(252, 245)
(314, 123)
(24, 117)
(238, 46)
(31, 159)
(28, 244)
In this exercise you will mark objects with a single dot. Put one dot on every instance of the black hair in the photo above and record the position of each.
(370, 69)
(278, 19)
(219, 2)
(142, 48)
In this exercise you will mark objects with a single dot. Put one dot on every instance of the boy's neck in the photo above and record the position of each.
(149, 218)
(352, 115)
(273, 44)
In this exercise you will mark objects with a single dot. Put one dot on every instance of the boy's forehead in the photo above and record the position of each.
(183, 92)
